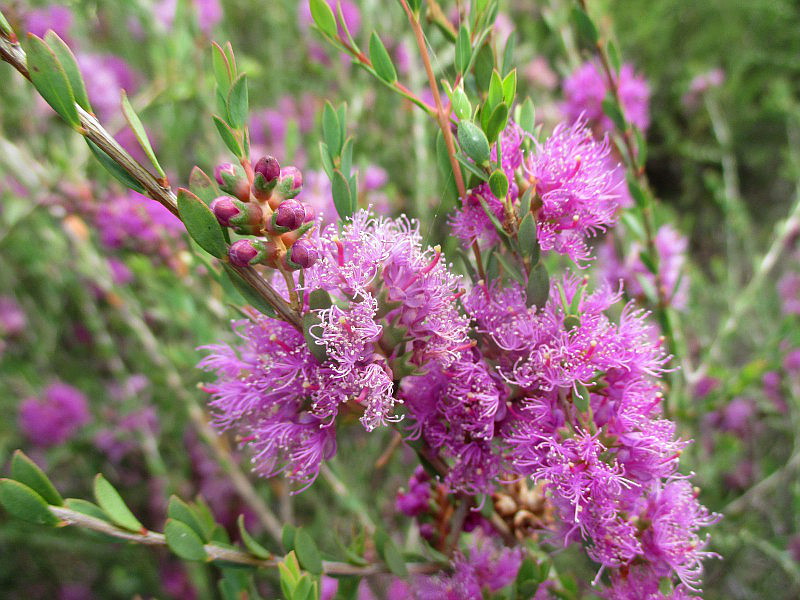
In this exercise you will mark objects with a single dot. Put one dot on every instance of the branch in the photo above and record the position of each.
(231, 555)
(92, 130)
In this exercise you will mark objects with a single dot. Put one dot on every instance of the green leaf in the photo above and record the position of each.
(113, 505)
(497, 122)
(70, 66)
(639, 196)
(473, 141)
(228, 137)
(201, 224)
(51, 81)
(585, 26)
(139, 131)
(180, 511)
(86, 508)
(538, 288)
(510, 87)
(332, 130)
(319, 299)
(470, 166)
(323, 17)
(307, 552)
(347, 156)
(525, 202)
(250, 296)
(510, 268)
(22, 502)
(381, 61)
(495, 92)
(303, 589)
(498, 184)
(202, 186)
(528, 244)
(581, 399)
(289, 572)
(463, 49)
(461, 104)
(612, 111)
(5, 27)
(253, 546)
(311, 320)
(390, 554)
(508, 53)
(527, 116)
(613, 56)
(114, 169)
(221, 67)
(24, 470)
(414, 5)
(183, 541)
(238, 103)
(492, 217)
(287, 537)
(342, 197)
(648, 261)
(484, 64)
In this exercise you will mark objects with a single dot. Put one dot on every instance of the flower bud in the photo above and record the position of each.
(245, 217)
(290, 182)
(309, 213)
(250, 252)
(287, 217)
(224, 208)
(266, 174)
(233, 180)
(301, 255)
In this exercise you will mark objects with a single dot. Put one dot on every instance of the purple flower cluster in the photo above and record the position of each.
(670, 282)
(587, 87)
(576, 190)
(136, 223)
(55, 416)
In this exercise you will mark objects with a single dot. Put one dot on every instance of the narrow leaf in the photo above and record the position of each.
(228, 137)
(538, 289)
(527, 116)
(585, 26)
(510, 268)
(342, 198)
(323, 17)
(612, 111)
(70, 66)
(473, 141)
(332, 130)
(311, 320)
(613, 56)
(508, 52)
(390, 554)
(22, 502)
(463, 49)
(582, 398)
(307, 552)
(183, 541)
(114, 506)
(51, 81)
(381, 61)
(495, 91)
(202, 186)
(180, 511)
(497, 122)
(201, 224)
(253, 546)
(510, 87)
(222, 70)
(238, 103)
(139, 131)
(492, 217)
(86, 508)
(526, 235)
(287, 540)
(114, 169)
(24, 470)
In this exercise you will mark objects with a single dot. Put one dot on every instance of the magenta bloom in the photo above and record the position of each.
(12, 317)
(55, 416)
(135, 222)
(55, 17)
(209, 13)
(789, 292)
(670, 282)
(105, 75)
(586, 88)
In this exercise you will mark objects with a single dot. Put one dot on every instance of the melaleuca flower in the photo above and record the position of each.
(417, 499)
(642, 583)
(55, 416)
(576, 192)
(670, 283)
(587, 87)
(484, 567)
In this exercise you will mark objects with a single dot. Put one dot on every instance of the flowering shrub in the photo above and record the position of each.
(433, 338)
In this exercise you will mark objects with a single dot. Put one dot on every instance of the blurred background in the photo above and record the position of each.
(103, 301)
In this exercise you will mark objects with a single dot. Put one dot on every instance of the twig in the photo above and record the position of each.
(92, 130)
(215, 552)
